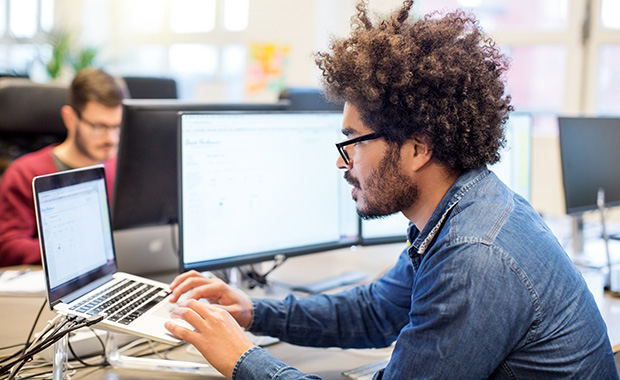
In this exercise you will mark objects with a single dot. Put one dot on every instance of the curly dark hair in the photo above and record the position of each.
(438, 77)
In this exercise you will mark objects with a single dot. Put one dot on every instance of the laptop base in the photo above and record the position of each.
(117, 360)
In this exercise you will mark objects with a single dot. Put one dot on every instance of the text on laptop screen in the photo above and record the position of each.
(77, 236)
(258, 184)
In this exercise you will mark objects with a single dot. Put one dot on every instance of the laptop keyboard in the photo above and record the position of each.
(124, 302)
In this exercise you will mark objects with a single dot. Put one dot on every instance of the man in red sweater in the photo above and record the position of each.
(92, 118)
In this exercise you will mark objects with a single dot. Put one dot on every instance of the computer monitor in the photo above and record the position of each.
(255, 185)
(145, 191)
(590, 161)
(515, 165)
(514, 169)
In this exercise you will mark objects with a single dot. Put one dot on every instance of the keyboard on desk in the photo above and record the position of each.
(122, 303)
(366, 372)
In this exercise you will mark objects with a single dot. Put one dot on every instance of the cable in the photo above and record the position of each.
(36, 320)
(34, 325)
(29, 352)
(60, 331)
(103, 363)
(261, 279)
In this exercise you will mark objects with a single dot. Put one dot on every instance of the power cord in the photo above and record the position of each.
(103, 363)
(261, 279)
(47, 338)
(17, 353)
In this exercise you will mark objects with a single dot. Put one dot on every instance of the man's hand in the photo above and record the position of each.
(217, 335)
(216, 292)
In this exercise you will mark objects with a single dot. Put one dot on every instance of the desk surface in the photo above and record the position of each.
(328, 363)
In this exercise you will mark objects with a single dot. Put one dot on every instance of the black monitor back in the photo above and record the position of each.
(589, 148)
(145, 190)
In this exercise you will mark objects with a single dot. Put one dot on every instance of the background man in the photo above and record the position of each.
(484, 290)
(92, 118)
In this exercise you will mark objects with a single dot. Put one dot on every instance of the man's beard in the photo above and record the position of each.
(82, 146)
(387, 190)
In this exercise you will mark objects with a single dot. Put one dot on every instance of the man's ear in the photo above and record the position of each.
(69, 117)
(421, 152)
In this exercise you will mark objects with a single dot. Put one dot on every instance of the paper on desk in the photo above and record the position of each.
(18, 283)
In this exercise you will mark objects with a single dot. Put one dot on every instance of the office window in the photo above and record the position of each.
(192, 16)
(508, 15)
(610, 12)
(536, 78)
(146, 60)
(236, 14)
(2, 17)
(47, 15)
(22, 55)
(23, 16)
(198, 59)
(142, 16)
(608, 80)
(233, 61)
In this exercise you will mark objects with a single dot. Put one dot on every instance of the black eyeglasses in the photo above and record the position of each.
(99, 129)
(343, 153)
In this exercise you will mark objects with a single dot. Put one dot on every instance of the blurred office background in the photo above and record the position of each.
(564, 53)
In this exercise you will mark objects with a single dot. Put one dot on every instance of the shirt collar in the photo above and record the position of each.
(420, 241)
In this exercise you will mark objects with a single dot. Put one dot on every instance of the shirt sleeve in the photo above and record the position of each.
(257, 363)
(366, 316)
(19, 243)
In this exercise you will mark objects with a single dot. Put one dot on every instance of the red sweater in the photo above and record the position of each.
(19, 242)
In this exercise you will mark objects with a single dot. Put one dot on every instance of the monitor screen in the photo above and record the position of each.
(255, 185)
(391, 229)
(145, 191)
(590, 161)
(515, 165)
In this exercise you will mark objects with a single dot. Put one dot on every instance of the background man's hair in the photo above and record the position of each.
(95, 85)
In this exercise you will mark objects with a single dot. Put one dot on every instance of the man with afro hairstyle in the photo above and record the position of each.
(483, 290)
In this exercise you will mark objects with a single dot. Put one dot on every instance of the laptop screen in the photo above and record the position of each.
(74, 228)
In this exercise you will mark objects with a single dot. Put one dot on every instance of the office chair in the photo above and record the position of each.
(151, 88)
(30, 117)
(308, 99)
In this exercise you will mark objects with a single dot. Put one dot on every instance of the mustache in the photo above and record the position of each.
(352, 181)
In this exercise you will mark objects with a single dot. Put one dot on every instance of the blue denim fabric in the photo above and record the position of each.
(484, 291)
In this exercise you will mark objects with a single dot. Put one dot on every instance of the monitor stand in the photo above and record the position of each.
(586, 255)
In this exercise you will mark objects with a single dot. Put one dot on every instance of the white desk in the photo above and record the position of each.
(328, 363)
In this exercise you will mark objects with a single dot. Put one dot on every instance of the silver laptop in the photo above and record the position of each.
(79, 261)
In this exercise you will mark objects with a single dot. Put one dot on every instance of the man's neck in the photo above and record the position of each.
(433, 183)
(70, 156)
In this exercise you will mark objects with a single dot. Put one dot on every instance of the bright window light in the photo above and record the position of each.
(610, 9)
(47, 15)
(192, 16)
(507, 15)
(23, 17)
(200, 59)
(22, 56)
(236, 13)
(2, 17)
(142, 16)
(233, 61)
(145, 60)
(608, 80)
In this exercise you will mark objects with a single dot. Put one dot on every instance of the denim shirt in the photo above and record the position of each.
(485, 290)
